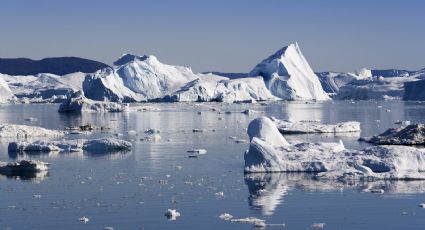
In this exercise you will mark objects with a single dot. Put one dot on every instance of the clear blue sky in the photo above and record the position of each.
(222, 35)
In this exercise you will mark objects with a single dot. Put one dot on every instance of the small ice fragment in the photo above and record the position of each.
(378, 190)
(241, 141)
(178, 167)
(172, 214)
(131, 132)
(84, 219)
(422, 205)
(248, 220)
(198, 151)
(318, 225)
(388, 110)
(225, 216)
(108, 228)
(219, 194)
(38, 196)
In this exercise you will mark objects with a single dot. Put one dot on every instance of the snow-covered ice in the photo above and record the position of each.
(94, 145)
(289, 76)
(25, 131)
(301, 127)
(77, 102)
(270, 152)
(406, 135)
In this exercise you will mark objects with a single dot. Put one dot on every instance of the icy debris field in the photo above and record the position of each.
(188, 158)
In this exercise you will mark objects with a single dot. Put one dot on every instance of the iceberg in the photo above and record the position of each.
(95, 145)
(414, 91)
(270, 152)
(77, 102)
(288, 75)
(25, 131)
(6, 94)
(22, 167)
(406, 135)
(209, 87)
(44, 87)
(303, 127)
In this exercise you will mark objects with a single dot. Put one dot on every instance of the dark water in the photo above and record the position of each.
(133, 190)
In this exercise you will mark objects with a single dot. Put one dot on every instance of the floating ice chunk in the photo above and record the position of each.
(422, 205)
(77, 102)
(301, 127)
(106, 144)
(95, 145)
(409, 135)
(318, 225)
(241, 141)
(219, 194)
(248, 220)
(225, 216)
(83, 219)
(108, 228)
(332, 160)
(25, 131)
(22, 167)
(198, 151)
(172, 214)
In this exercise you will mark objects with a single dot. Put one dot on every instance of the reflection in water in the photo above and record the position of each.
(267, 190)
(35, 177)
(110, 155)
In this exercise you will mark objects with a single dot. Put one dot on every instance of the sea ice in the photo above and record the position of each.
(22, 167)
(302, 127)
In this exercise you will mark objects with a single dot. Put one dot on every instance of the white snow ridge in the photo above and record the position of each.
(269, 152)
(289, 76)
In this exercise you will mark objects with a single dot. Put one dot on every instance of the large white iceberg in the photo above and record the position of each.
(407, 135)
(77, 102)
(44, 87)
(209, 87)
(289, 76)
(303, 127)
(270, 152)
(25, 131)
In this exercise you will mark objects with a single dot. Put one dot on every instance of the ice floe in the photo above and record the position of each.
(25, 131)
(303, 127)
(23, 167)
(270, 152)
(77, 102)
(95, 145)
(406, 135)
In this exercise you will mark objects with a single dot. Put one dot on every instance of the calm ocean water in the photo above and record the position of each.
(132, 190)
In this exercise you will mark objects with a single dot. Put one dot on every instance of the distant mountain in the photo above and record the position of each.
(56, 65)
